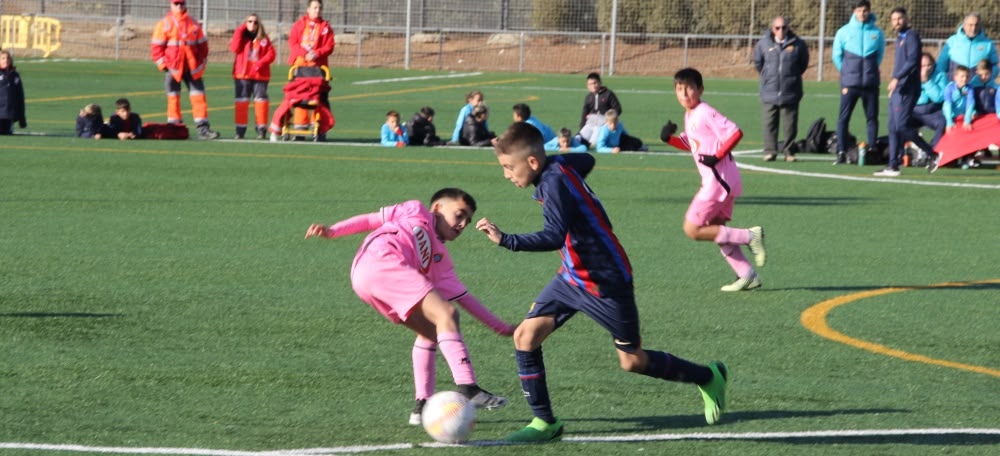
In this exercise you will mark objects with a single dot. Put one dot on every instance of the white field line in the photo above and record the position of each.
(416, 78)
(357, 449)
(888, 180)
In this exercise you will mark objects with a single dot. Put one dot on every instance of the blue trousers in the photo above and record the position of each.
(848, 100)
(901, 127)
(931, 116)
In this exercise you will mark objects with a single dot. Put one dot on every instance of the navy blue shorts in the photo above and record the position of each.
(617, 314)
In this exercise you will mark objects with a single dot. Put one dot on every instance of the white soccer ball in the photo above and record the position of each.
(449, 417)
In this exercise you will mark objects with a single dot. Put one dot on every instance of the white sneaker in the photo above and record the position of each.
(274, 137)
(744, 283)
(887, 172)
(416, 416)
(756, 246)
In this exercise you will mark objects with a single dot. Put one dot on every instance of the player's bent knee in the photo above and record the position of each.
(530, 334)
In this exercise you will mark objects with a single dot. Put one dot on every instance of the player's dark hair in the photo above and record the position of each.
(689, 77)
(427, 111)
(565, 132)
(522, 110)
(456, 194)
(898, 9)
(594, 76)
(864, 3)
(961, 68)
(393, 113)
(122, 103)
(521, 138)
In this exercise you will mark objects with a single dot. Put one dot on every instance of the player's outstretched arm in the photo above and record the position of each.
(481, 313)
(357, 224)
(491, 230)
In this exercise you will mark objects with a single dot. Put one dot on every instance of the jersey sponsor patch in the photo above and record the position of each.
(423, 239)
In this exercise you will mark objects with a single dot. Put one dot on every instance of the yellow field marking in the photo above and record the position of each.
(134, 150)
(814, 319)
(228, 106)
(427, 89)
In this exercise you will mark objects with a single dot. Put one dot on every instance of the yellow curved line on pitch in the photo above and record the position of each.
(814, 319)
(301, 156)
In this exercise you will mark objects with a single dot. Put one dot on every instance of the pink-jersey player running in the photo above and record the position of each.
(403, 270)
(711, 137)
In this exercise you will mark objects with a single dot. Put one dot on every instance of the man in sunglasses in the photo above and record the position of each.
(781, 58)
(180, 49)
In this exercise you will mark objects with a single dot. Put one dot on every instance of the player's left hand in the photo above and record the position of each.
(490, 229)
(708, 160)
(316, 229)
(668, 130)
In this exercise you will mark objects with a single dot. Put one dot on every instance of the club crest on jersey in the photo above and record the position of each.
(423, 239)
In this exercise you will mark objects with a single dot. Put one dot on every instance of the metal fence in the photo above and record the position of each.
(493, 35)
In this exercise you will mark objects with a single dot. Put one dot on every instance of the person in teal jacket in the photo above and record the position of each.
(959, 100)
(858, 48)
(967, 47)
(613, 138)
(565, 142)
(522, 113)
(928, 112)
(394, 134)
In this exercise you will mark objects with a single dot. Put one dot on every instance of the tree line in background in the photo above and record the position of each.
(936, 19)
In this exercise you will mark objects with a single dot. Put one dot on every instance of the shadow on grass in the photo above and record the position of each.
(665, 423)
(59, 315)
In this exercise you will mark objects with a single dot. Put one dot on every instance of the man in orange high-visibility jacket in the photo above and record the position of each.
(180, 48)
(312, 42)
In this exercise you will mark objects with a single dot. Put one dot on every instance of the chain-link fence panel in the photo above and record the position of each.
(565, 36)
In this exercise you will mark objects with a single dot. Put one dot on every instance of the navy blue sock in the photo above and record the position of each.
(531, 369)
(669, 367)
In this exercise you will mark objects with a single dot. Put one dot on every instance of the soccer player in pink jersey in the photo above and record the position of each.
(404, 271)
(711, 137)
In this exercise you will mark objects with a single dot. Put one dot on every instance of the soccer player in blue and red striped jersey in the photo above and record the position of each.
(595, 278)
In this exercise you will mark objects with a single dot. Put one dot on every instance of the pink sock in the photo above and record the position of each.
(734, 256)
(738, 236)
(453, 348)
(424, 352)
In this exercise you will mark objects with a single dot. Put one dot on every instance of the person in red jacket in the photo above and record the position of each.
(180, 49)
(251, 73)
(312, 42)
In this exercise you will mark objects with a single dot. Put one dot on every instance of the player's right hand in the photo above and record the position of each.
(667, 131)
(490, 229)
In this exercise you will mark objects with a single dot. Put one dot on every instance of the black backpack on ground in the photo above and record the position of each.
(816, 138)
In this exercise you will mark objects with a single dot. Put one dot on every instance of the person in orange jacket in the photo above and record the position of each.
(251, 73)
(312, 42)
(180, 49)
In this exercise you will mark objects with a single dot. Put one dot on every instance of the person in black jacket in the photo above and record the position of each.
(474, 130)
(11, 96)
(90, 122)
(598, 101)
(781, 58)
(422, 129)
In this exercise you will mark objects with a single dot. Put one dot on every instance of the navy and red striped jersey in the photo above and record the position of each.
(576, 224)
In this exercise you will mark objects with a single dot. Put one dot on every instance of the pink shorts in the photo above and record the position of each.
(705, 212)
(384, 279)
